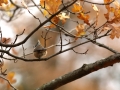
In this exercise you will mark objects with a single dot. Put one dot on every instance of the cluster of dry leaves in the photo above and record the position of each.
(50, 7)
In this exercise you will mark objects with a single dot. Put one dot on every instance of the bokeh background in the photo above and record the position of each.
(31, 75)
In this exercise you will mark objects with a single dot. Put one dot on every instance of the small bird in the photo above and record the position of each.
(39, 50)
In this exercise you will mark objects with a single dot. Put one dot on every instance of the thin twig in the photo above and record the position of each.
(99, 3)
(102, 45)
(17, 38)
(8, 82)
(80, 53)
(61, 41)
(23, 51)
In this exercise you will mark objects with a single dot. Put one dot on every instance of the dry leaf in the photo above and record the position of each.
(84, 17)
(52, 6)
(10, 77)
(97, 12)
(3, 2)
(62, 16)
(5, 40)
(80, 30)
(77, 8)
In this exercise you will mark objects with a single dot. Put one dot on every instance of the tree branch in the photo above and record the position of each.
(37, 28)
(82, 71)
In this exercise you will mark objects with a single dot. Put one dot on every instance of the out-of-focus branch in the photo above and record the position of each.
(81, 72)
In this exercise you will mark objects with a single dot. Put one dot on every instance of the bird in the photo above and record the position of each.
(39, 50)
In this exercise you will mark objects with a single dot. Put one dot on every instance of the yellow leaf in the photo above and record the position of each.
(55, 20)
(52, 6)
(10, 77)
(84, 17)
(80, 30)
(45, 13)
(115, 31)
(3, 2)
(106, 16)
(77, 8)
(97, 12)
(95, 7)
(107, 6)
(7, 8)
(116, 3)
(62, 16)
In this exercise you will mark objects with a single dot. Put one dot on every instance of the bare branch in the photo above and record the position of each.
(99, 3)
(102, 45)
(80, 53)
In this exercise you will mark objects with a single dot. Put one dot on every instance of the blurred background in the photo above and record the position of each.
(31, 75)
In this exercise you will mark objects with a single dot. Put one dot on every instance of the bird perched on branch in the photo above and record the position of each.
(39, 50)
